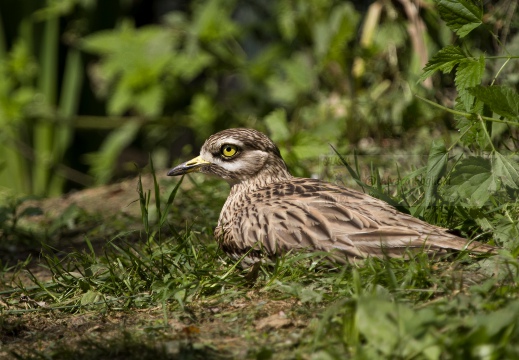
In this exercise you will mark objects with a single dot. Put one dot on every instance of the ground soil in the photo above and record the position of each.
(252, 326)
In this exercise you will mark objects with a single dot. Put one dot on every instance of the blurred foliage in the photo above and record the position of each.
(309, 73)
(37, 101)
(282, 67)
(482, 187)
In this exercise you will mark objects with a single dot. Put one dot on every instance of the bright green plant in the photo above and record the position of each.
(35, 112)
(415, 308)
(284, 68)
(472, 185)
(297, 69)
(476, 189)
(483, 186)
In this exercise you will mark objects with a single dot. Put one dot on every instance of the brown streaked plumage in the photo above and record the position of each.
(270, 207)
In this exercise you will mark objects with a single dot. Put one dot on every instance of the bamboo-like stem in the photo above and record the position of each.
(13, 167)
(44, 130)
(69, 102)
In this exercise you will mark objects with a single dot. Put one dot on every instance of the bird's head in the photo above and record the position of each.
(237, 155)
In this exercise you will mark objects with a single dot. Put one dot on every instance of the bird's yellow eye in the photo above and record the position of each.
(228, 150)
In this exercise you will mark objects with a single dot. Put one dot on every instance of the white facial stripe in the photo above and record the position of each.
(233, 166)
(228, 140)
(237, 164)
(231, 141)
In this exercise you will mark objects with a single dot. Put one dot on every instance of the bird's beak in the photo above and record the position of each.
(192, 165)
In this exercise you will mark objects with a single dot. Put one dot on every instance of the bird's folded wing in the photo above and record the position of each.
(323, 225)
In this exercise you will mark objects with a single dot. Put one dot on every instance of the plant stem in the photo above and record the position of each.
(69, 102)
(465, 114)
(499, 71)
(461, 136)
(483, 125)
(44, 130)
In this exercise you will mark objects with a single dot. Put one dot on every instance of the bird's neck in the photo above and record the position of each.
(239, 196)
(271, 173)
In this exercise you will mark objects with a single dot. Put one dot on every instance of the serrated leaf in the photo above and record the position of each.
(506, 231)
(391, 318)
(133, 62)
(472, 181)
(499, 320)
(188, 65)
(501, 99)
(436, 165)
(470, 127)
(506, 170)
(276, 122)
(468, 74)
(150, 101)
(102, 42)
(461, 16)
(286, 20)
(213, 21)
(444, 60)
(120, 100)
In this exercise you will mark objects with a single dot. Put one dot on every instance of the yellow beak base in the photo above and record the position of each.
(192, 165)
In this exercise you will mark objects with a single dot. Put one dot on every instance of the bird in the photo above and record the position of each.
(269, 212)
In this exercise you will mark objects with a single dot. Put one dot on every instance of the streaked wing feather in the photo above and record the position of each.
(308, 214)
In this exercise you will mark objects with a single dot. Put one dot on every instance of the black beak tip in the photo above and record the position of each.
(173, 172)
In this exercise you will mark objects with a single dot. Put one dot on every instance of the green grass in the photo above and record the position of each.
(168, 291)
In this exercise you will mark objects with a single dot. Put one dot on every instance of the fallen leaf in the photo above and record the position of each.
(275, 321)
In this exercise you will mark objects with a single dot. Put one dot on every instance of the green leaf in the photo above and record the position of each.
(286, 20)
(293, 78)
(331, 35)
(171, 197)
(308, 294)
(506, 170)
(277, 125)
(203, 111)
(461, 16)
(500, 320)
(501, 99)
(470, 126)
(133, 64)
(472, 182)
(90, 297)
(212, 21)
(436, 165)
(103, 161)
(189, 64)
(468, 74)
(120, 100)
(180, 296)
(444, 60)
(412, 332)
(506, 230)
(150, 101)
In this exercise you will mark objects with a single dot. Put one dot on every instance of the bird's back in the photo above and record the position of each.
(310, 214)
